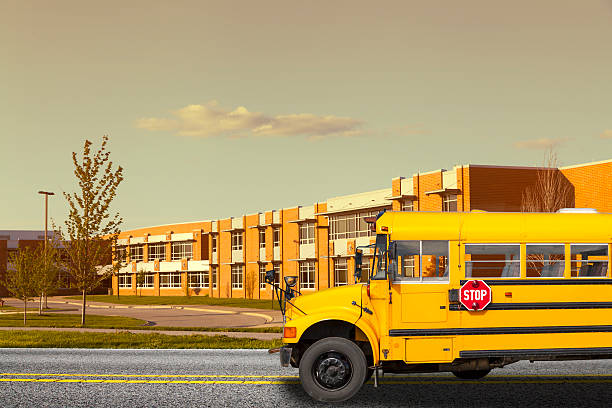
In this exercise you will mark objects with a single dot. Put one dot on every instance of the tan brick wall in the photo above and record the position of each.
(592, 186)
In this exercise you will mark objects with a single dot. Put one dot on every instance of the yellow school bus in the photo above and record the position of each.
(546, 287)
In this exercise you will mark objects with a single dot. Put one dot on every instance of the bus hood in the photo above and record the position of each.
(347, 298)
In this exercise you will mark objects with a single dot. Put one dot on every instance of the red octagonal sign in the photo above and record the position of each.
(475, 295)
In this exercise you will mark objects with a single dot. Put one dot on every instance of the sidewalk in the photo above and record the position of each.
(247, 335)
(169, 315)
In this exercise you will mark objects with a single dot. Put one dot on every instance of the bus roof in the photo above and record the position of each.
(497, 227)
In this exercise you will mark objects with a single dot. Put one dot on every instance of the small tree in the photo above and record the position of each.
(20, 278)
(141, 278)
(551, 190)
(48, 270)
(91, 230)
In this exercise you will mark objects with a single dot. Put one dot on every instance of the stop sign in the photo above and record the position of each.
(475, 295)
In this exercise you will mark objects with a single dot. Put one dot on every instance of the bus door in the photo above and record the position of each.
(419, 271)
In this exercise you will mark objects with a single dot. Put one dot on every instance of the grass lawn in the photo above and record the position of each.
(110, 322)
(58, 339)
(70, 320)
(180, 300)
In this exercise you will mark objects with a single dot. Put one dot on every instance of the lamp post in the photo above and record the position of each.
(46, 194)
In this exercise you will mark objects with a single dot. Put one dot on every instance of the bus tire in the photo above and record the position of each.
(332, 369)
(471, 374)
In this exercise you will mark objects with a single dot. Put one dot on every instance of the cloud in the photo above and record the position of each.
(210, 120)
(607, 134)
(543, 143)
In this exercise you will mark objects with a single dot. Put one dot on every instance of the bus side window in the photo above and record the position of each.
(545, 260)
(420, 260)
(492, 260)
(589, 260)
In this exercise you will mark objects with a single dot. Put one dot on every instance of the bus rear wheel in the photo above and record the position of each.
(332, 369)
(471, 374)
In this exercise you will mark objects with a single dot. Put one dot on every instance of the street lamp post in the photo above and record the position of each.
(46, 194)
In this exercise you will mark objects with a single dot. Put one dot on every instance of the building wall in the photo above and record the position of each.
(489, 188)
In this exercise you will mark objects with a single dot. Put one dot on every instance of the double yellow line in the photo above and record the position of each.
(274, 379)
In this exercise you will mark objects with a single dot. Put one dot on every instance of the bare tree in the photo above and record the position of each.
(551, 190)
(20, 278)
(91, 229)
(250, 281)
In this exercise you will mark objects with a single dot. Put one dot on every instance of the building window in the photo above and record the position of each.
(182, 250)
(366, 266)
(214, 243)
(157, 251)
(237, 272)
(147, 283)
(340, 272)
(276, 237)
(449, 202)
(136, 252)
(262, 238)
(408, 267)
(307, 275)
(236, 241)
(198, 280)
(307, 233)
(170, 280)
(214, 277)
(350, 225)
(277, 273)
(262, 276)
(125, 281)
(120, 255)
(408, 205)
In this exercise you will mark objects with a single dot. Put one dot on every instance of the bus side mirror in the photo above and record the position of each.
(358, 263)
(270, 277)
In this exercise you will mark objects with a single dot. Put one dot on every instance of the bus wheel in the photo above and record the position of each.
(332, 369)
(471, 374)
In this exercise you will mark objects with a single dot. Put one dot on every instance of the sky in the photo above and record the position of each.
(217, 109)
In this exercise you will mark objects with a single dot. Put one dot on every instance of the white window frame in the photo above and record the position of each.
(262, 276)
(276, 235)
(237, 241)
(307, 233)
(447, 202)
(125, 281)
(121, 254)
(307, 275)
(213, 276)
(213, 239)
(153, 254)
(277, 272)
(339, 265)
(182, 250)
(262, 238)
(237, 272)
(351, 225)
(149, 281)
(175, 280)
(136, 253)
(408, 205)
(202, 280)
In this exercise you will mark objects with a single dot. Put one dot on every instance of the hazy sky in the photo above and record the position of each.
(222, 108)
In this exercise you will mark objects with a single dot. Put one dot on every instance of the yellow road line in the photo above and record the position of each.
(149, 375)
(270, 382)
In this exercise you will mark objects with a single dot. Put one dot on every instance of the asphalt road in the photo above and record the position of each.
(253, 378)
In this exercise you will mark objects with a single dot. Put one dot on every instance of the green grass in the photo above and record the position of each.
(112, 322)
(58, 339)
(180, 300)
(71, 320)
